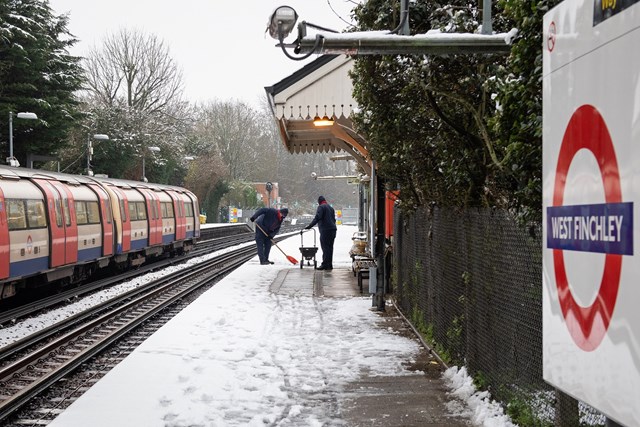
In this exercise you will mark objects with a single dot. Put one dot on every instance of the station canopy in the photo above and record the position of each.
(313, 107)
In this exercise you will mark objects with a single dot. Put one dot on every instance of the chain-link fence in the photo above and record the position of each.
(471, 282)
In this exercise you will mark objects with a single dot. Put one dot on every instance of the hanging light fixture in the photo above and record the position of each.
(324, 121)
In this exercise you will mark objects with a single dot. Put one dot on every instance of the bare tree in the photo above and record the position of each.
(133, 82)
(135, 69)
(232, 128)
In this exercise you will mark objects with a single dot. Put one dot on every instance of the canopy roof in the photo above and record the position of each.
(321, 88)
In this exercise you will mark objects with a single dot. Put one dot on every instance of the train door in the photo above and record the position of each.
(123, 205)
(106, 219)
(4, 239)
(62, 231)
(194, 212)
(71, 225)
(178, 209)
(152, 202)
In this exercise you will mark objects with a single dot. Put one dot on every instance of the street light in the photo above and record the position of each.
(12, 161)
(153, 150)
(269, 187)
(98, 137)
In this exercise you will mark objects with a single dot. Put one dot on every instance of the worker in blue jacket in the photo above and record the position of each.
(269, 221)
(326, 220)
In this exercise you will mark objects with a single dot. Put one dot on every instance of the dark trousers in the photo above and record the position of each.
(326, 243)
(264, 246)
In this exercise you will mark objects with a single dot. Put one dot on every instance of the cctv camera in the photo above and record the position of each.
(314, 175)
(282, 22)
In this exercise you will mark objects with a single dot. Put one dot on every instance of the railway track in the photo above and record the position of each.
(204, 247)
(35, 363)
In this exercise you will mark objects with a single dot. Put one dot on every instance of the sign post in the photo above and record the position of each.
(591, 320)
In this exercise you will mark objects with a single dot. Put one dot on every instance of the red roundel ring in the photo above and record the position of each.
(588, 325)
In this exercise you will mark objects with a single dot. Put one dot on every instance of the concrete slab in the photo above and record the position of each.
(337, 283)
(421, 399)
(416, 400)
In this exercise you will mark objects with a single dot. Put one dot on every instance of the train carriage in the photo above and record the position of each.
(62, 228)
(185, 208)
(25, 245)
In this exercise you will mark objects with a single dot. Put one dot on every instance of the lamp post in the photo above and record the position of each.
(99, 137)
(153, 150)
(12, 161)
(269, 187)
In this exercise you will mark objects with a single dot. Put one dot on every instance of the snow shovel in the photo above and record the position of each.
(289, 257)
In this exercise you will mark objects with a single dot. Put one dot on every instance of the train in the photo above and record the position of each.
(59, 229)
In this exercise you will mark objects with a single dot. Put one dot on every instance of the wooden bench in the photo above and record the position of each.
(360, 267)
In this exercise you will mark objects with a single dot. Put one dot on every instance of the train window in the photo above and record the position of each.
(16, 216)
(142, 211)
(23, 214)
(133, 213)
(93, 213)
(81, 213)
(154, 210)
(35, 214)
(123, 212)
(188, 207)
(107, 209)
(67, 214)
(58, 207)
(167, 210)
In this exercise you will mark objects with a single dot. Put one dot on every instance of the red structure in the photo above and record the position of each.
(270, 199)
(389, 201)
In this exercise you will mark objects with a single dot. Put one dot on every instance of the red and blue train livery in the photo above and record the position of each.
(60, 228)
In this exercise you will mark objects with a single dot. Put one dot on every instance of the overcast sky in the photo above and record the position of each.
(221, 45)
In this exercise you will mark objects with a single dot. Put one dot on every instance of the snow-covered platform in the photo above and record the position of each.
(278, 345)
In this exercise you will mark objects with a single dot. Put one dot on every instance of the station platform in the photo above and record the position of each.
(277, 345)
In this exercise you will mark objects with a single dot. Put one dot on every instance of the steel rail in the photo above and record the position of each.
(168, 293)
(207, 246)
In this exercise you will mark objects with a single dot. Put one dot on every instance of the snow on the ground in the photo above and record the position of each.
(241, 355)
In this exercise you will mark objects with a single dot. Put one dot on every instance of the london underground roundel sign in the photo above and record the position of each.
(605, 228)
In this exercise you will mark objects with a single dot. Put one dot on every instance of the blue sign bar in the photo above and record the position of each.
(602, 228)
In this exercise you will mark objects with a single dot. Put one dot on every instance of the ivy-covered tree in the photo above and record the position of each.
(426, 117)
(457, 130)
(37, 74)
(518, 121)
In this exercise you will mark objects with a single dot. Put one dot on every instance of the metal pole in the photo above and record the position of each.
(404, 9)
(144, 176)
(89, 155)
(10, 135)
(486, 17)
(357, 44)
(380, 243)
(372, 211)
